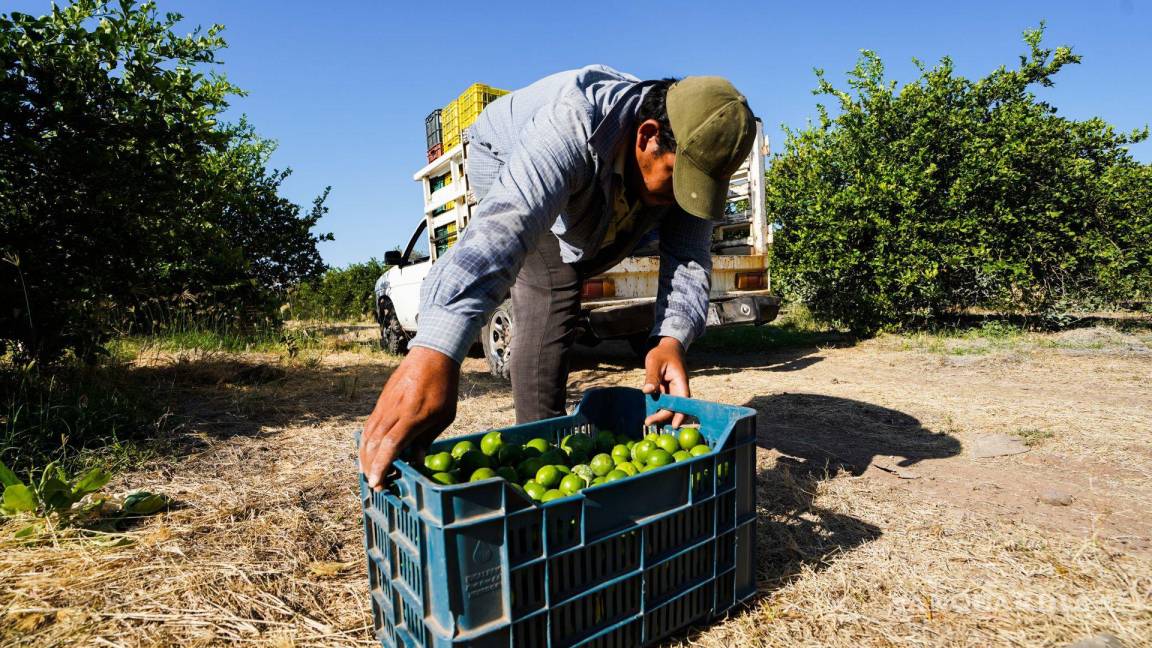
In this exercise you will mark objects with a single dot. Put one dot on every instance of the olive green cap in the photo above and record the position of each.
(714, 131)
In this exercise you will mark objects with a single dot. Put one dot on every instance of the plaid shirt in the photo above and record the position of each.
(541, 162)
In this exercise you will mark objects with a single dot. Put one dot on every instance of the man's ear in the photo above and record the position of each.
(647, 133)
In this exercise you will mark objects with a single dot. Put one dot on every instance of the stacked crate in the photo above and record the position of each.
(463, 111)
(432, 135)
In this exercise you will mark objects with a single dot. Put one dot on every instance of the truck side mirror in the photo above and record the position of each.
(394, 258)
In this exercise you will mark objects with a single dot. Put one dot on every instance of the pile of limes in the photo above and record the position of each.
(546, 472)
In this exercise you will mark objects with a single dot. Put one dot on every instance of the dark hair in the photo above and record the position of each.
(654, 106)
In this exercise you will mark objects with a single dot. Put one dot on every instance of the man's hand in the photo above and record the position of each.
(665, 374)
(417, 403)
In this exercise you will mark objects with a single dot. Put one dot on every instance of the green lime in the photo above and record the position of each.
(620, 454)
(552, 494)
(630, 444)
(490, 444)
(577, 456)
(627, 467)
(482, 473)
(439, 462)
(584, 471)
(527, 468)
(615, 474)
(668, 443)
(447, 478)
(539, 443)
(598, 481)
(640, 452)
(527, 452)
(602, 464)
(472, 460)
(509, 454)
(572, 484)
(566, 442)
(460, 448)
(658, 457)
(652, 436)
(508, 473)
(534, 490)
(605, 440)
(564, 470)
(553, 457)
(700, 450)
(548, 476)
(681, 455)
(585, 442)
(689, 437)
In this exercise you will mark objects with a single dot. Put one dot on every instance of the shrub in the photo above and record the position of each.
(120, 192)
(339, 294)
(949, 193)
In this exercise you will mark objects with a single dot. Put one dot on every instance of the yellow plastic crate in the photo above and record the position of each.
(463, 111)
(450, 125)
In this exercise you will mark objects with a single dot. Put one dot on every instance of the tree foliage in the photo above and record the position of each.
(339, 294)
(121, 193)
(949, 193)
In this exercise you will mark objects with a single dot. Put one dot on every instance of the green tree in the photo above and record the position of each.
(121, 194)
(949, 193)
(340, 293)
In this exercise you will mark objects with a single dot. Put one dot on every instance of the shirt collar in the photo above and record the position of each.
(607, 134)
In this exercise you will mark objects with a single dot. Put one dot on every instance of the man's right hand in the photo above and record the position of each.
(415, 406)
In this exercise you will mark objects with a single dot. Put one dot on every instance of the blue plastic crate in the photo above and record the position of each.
(621, 564)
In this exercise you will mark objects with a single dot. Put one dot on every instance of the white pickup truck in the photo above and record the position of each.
(618, 304)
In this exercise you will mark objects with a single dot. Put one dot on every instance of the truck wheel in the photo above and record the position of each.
(392, 337)
(496, 337)
(641, 344)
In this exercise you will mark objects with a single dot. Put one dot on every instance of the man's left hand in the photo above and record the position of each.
(664, 373)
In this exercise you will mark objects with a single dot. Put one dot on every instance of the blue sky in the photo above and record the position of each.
(344, 86)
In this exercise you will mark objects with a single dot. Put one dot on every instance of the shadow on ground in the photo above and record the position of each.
(213, 397)
(601, 365)
(815, 438)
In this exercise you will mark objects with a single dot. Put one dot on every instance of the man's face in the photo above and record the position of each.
(654, 165)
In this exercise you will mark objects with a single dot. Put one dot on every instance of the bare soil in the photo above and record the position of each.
(877, 524)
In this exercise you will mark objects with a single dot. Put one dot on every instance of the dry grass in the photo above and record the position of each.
(265, 546)
(876, 564)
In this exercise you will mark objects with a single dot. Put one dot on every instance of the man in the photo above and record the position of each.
(571, 173)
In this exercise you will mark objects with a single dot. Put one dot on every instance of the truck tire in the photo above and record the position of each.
(392, 337)
(641, 344)
(496, 338)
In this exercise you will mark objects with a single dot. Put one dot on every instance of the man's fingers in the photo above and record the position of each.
(659, 418)
(374, 432)
(389, 449)
(677, 420)
(652, 378)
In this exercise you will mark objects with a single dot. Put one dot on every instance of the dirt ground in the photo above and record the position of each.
(879, 522)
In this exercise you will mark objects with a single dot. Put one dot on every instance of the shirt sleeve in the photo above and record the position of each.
(550, 161)
(685, 276)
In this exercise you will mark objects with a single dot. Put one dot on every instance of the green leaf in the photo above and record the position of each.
(145, 503)
(49, 472)
(93, 481)
(7, 477)
(27, 532)
(18, 498)
(56, 495)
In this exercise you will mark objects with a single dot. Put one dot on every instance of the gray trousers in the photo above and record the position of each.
(545, 308)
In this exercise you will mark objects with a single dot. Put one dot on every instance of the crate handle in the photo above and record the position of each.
(700, 409)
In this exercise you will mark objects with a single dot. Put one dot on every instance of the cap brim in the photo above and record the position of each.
(697, 192)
